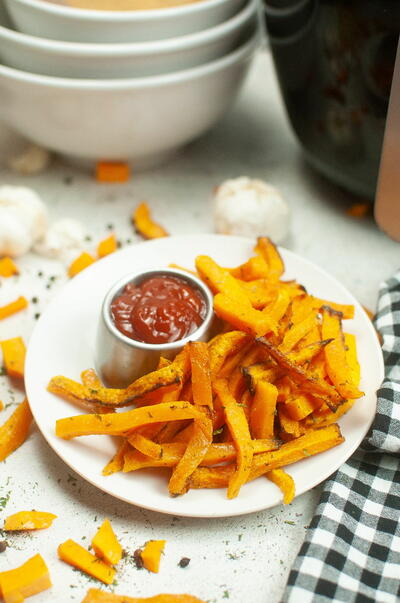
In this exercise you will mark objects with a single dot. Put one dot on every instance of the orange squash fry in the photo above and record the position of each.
(107, 246)
(172, 452)
(308, 382)
(289, 426)
(243, 316)
(145, 445)
(285, 483)
(80, 263)
(262, 413)
(346, 310)
(311, 443)
(123, 423)
(351, 357)
(15, 430)
(255, 268)
(7, 267)
(335, 354)
(112, 172)
(239, 429)
(201, 374)
(14, 352)
(145, 225)
(266, 248)
(12, 308)
(95, 595)
(278, 308)
(259, 292)
(223, 347)
(299, 406)
(219, 280)
(305, 354)
(116, 464)
(297, 332)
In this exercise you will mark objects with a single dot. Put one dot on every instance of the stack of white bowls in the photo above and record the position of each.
(131, 85)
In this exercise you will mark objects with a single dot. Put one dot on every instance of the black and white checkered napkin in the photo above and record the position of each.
(352, 549)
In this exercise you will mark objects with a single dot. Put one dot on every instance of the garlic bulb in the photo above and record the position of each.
(251, 208)
(23, 219)
(64, 240)
(32, 160)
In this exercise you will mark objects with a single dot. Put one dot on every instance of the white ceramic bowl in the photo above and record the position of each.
(142, 120)
(46, 20)
(106, 61)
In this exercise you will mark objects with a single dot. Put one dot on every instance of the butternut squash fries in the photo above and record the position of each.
(262, 394)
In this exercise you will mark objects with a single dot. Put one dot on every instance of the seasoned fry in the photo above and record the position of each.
(297, 332)
(123, 423)
(116, 464)
(226, 345)
(243, 316)
(239, 429)
(308, 382)
(285, 482)
(271, 255)
(335, 354)
(262, 413)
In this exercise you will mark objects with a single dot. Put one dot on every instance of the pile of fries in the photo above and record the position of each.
(265, 392)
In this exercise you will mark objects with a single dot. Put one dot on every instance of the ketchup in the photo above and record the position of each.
(161, 309)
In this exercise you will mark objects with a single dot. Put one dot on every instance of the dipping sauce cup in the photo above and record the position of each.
(120, 357)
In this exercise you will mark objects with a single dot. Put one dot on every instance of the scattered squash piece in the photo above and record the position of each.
(28, 520)
(145, 225)
(112, 171)
(106, 545)
(95, 595)
(285, 482)
(1, 405)
(15, 430)
(358, 210)
(24, 581)
(12, 308)
(81, 262)
(7, 267)
(151, 554)
(107, 246)
(73, 553)
(14, 352)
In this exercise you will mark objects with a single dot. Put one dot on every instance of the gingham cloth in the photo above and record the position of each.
(351, 552)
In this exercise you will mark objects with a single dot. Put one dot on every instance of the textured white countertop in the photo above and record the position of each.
(244, 559)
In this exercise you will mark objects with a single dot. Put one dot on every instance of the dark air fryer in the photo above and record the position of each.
(335, 61)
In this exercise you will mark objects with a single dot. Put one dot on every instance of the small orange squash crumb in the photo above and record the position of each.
(151, 554)
(81, 262)
(12, 308)
(14, 356)
(29, 579)
(15, 430)
(107, 246)
(73, 553)
(7, 267)
(28, 520)
(145, 225)
(106, 545)
(112, 171)
(1, 405)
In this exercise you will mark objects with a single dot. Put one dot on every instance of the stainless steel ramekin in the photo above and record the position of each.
(120, 360)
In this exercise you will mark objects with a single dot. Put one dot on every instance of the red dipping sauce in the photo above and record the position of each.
(160, 309)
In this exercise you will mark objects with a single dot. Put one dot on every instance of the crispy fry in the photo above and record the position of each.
(145, 445)
(297, 332)
(262, 413)
(305, 354)
(145, 225)
(219, 280)
(223, 347)
(238, 427)
(285, 483)
(201, 374)
(307, 381)
(299, 406)
(243, 316)
(116, 464)
(271, 255)
(289, 426)
(351, 357)
(335, 354)
(311, 443)
(123, 423)
(260, 292)
(255, 268)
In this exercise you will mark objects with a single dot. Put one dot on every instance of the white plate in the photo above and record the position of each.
(62, 344)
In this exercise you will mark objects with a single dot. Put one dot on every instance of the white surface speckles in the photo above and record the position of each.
(247, 558)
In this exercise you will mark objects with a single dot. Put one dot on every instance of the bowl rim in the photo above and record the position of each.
(102, 16)
(142, 83)
(138, 48)
(194, 282)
